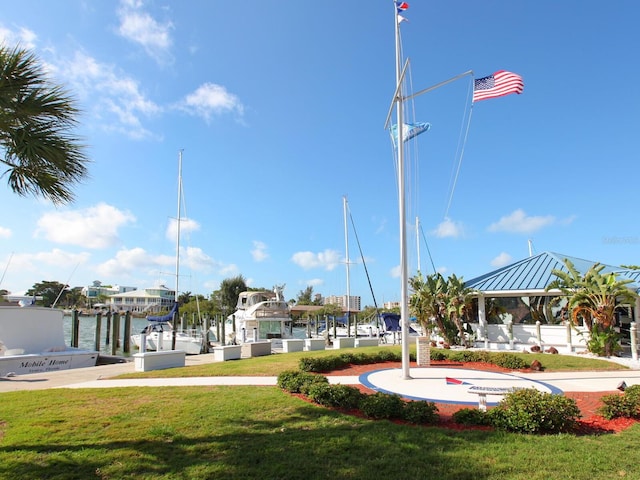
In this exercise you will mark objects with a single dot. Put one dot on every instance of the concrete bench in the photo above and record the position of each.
(227, 352)
(292, 345)
(367, 342)
(147, 361)
(256, 349)
(313, 344)
(344, 342)
(482, 393)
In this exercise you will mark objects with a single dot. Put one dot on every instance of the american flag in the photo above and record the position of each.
(496, 85)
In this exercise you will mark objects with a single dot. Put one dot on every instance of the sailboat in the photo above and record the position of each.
(160, 334)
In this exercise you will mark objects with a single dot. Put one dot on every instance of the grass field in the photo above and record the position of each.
(265, 433)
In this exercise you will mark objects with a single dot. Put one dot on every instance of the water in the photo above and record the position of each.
(87, 331)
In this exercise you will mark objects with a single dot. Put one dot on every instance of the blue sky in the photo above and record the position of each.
(279, 108)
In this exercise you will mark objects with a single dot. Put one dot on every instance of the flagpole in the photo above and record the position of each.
(404, 280)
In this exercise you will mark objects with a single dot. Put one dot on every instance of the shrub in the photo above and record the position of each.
(509, 360)
(633, 393)
(337, 396)
(465, 356)
(420, 412)
(321, 364)
(437, 355)
(531, 411)
(389, 356)
(619, 406)
(295, 381)
(471, 416)
(382, 405)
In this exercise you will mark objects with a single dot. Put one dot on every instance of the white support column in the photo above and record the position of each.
(482, 321)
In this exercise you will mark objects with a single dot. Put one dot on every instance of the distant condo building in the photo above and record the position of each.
(149, 300)
(341, 300)
(118, 298)
(390, 305)
(96, 290)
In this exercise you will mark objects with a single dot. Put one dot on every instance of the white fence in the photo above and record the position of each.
(564, 338)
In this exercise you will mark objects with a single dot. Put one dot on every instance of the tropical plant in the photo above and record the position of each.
(440, 302)
(42, 157)
(591, 300)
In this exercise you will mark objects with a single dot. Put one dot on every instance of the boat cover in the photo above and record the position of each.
(391, 322)
(165, 318)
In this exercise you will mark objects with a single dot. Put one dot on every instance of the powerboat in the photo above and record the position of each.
(32, 341)
(259, 315)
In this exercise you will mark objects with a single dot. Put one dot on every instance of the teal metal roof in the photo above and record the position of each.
(534, 273)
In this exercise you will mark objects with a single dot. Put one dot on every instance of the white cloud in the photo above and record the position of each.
(195, 259)
(448, 228)
(210, 99)
(259, 252)
(501, 260)
(328, 260)
(141, 28)
(314, 282)
(93, 227)
(519, 222)
(395, 272)
(23, 38)
(5, 232)
(119, 102)
(134, 261)
(51, 265)
(187, 225)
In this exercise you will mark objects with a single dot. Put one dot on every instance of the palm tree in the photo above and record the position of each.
(592, 298)
(443, 301)
(42, 157)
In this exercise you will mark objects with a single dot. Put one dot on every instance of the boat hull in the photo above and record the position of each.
(46, 362)
(159, 341)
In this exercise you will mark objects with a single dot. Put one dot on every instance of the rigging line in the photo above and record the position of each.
(183, 203)
(364, 264)
(6, 267)
(65, 286)
(464, 142)
(428, 250)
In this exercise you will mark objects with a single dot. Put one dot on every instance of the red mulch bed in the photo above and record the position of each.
(588, 402)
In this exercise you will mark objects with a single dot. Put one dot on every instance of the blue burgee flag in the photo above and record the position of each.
(409, 131)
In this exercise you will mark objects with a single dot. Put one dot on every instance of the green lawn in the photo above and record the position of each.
(264, 433)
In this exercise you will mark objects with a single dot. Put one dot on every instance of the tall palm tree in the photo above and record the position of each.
(41, 155)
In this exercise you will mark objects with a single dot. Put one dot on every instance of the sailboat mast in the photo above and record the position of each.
(404, 275)
(418, 241)
(346, 241)
(178, 223)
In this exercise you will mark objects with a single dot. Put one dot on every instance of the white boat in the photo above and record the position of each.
(260, 315)
(32, 341)
(159, 334)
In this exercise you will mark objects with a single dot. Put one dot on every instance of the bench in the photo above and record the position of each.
(482, 393)
(367, 342)
(227, 352)
(292, 345)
